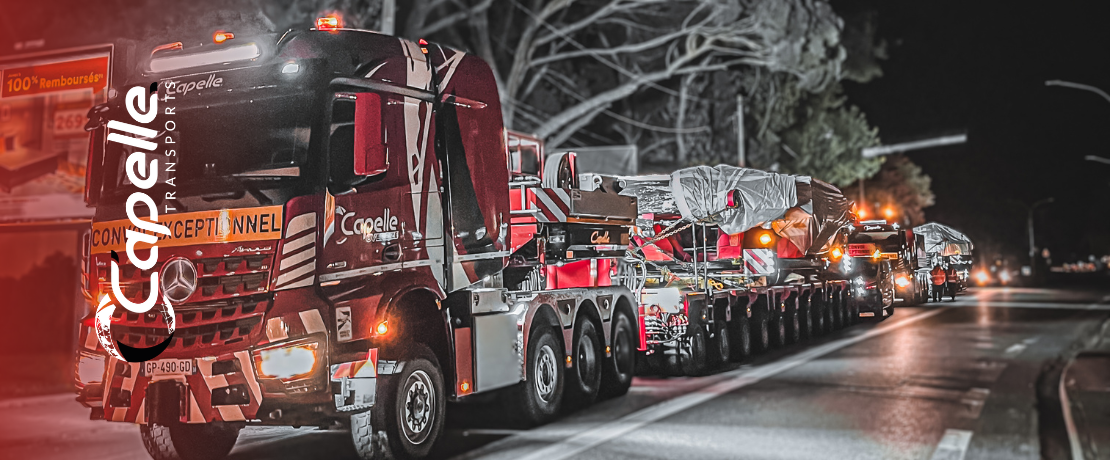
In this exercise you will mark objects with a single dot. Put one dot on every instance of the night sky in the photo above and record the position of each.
(979, 67)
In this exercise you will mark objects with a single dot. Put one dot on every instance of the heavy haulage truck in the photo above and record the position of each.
(725, 258)
(353, 243)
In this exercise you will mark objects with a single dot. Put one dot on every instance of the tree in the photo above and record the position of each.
(831, 134)
(901, 185)
(563, 63)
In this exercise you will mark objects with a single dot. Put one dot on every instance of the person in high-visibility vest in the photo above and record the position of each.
(939, 279)
(952, 278)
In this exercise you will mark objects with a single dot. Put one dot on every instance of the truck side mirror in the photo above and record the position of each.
(370, 157)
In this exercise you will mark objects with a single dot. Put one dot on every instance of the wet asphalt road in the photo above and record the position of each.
(943, 381)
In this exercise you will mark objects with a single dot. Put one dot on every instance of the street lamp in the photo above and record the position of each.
(1097, 159)
(1068, 84)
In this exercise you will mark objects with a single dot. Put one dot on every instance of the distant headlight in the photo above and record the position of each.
(289, 362)
(902, 281)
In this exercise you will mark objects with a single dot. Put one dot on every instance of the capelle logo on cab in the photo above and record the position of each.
(143, 173)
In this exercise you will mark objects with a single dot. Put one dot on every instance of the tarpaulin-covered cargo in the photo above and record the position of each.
(944, 240)
(804, 210)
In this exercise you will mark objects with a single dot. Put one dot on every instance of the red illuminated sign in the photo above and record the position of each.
(54, 77)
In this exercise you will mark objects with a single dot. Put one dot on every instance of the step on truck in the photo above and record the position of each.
(351, 244)
(729, 259)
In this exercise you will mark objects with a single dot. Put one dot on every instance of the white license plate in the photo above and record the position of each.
(164, 367)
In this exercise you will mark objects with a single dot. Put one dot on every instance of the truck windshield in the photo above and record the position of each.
(218, 146)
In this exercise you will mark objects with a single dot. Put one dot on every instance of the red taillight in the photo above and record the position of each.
(221, 36)
(327, 23)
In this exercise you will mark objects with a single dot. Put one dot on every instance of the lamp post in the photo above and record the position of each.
(1097, 159)
(1032, 246)
(1068, 84)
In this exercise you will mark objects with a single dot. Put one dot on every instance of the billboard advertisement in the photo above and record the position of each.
(43, 145)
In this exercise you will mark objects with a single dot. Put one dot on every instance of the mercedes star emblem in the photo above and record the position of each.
(179, 279)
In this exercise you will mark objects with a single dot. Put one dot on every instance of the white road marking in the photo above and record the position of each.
(975, 398)
(1015, 349)
(953, 446)
(604, 432)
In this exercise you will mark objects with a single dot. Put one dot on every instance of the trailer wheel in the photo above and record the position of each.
(722, 346)
(741, 339)
(585, 377)
(538, 399)
(618, 369)
(693, 358)
(180, 441)
(793, 323)
(764, 330)
(780, 329)
(806, 317)
(415, 404)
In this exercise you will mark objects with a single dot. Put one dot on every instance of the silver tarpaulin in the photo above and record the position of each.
(702, 192)
(944, 240)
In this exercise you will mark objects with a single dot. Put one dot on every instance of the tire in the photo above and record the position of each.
(414, 405)
(362, 437)
(694, 359)
(793, 323)
(763, 330)
(181, 441)
(817, 312)
(741, 336)
(780, 329)
(585, 376)
(806, 316)
(539, 398)
(721, 349)
(620, 366)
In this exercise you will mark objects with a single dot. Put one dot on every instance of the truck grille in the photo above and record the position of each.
(218, 278)
(198, 326)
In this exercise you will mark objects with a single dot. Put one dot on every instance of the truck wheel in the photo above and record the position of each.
(793, 323)
(181, 441)
(722, 346)
(585, 377)
(806, 317)
(764, 331)
(618, 369)
(414, 404)
(817, 312)
(741, 337)
(362, 436)
(780, 329)
(836, 313)
(693, 359)
(538, 399)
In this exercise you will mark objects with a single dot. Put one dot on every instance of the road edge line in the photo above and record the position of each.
(1069, 422)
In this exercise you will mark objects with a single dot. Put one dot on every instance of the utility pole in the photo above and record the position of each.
(389, 12)
(740, 129)
(1032, 245)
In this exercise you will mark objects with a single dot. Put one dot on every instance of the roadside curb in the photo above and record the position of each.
(1087, 346)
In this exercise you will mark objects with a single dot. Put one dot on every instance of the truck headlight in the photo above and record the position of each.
(902, 281)
(287, 362)
(90, 368)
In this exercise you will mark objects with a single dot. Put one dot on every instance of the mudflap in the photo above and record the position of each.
(166, 403)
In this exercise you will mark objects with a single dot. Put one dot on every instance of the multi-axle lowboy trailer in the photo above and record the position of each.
(747, 272)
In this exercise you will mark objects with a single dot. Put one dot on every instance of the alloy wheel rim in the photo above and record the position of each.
(545, 374)
(418, 412)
